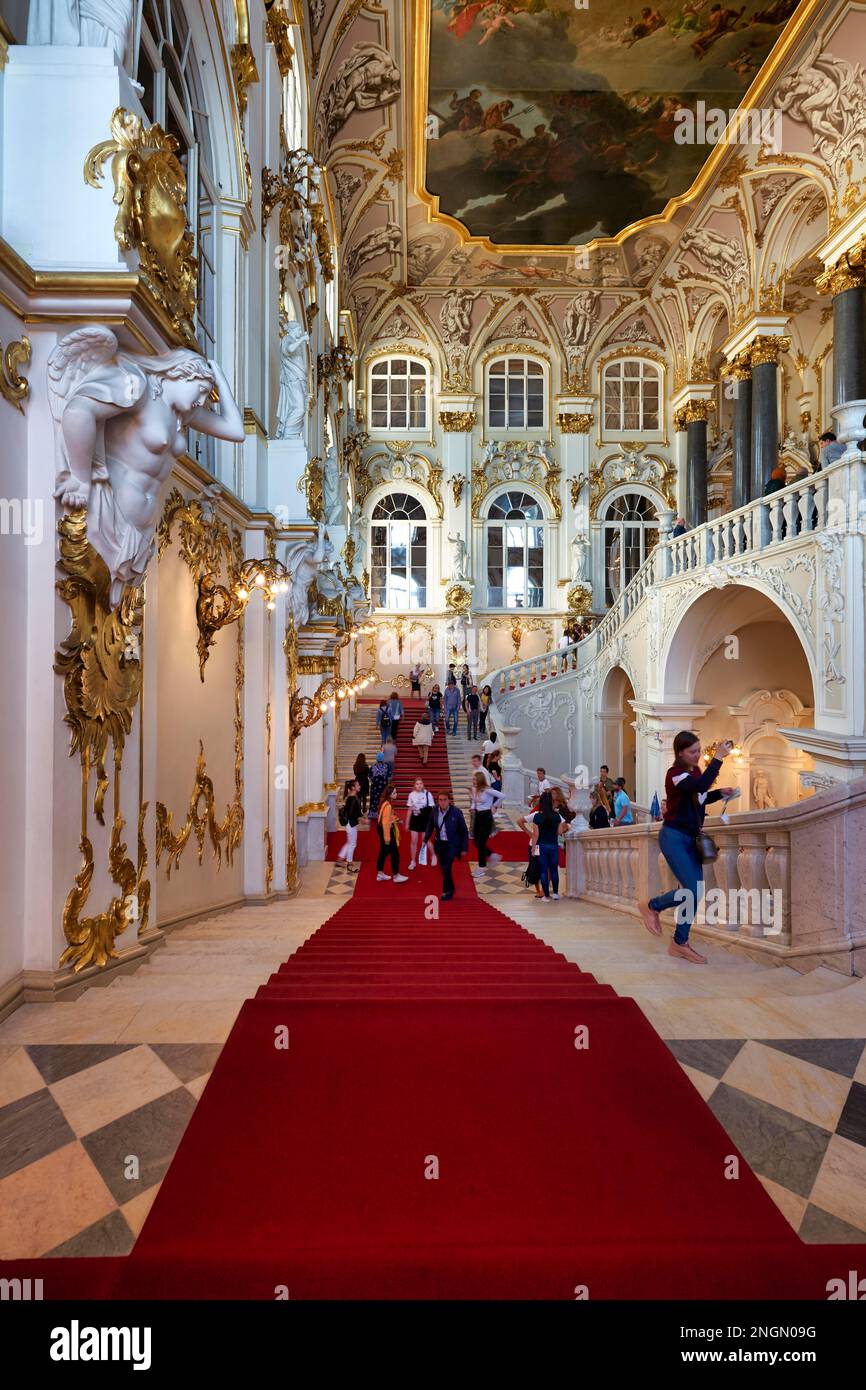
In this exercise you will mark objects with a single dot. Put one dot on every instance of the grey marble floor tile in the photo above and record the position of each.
(777, 1145)
(188, 1060)
(819, 1227)
(31, 1128)
(710, 1055)
(151, 1134)
(836, 1054)
(852, 1121)
(110, 1236)
(57, 1060)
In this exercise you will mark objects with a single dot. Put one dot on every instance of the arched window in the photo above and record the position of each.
(398, 553)
(515, 552)
(398, 397)
(173, 96)
(515, 394)
(631, 529)
(632, 391)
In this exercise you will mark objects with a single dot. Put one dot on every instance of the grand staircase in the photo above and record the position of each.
(359, 734)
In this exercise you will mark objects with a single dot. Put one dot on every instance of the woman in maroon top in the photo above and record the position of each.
(687, 794)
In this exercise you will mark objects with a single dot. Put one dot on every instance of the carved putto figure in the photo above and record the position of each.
(119, 424)
(294, 384)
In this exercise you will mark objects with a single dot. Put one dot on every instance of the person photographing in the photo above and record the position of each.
(687, 795)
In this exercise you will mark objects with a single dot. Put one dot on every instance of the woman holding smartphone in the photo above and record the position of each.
(687, 794)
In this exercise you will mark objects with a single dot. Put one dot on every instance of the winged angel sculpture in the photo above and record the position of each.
(119, 424)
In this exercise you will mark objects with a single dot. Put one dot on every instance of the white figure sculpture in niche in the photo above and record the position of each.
(580, 315)
(458, 634)
(579, 554)
(459, 562)
(302, 561)
(332, 490)
(83, 24)
(762, 797)
(119, 424)
(294, 383)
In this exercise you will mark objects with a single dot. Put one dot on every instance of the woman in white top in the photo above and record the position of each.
(420, 806)
(422, 737)
(484, 798)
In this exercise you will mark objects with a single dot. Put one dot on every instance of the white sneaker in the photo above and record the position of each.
(543, 899)
(480, 873)
(383, 878)
(494, 858)
(411, 866)
(555, 897)
(400, 878)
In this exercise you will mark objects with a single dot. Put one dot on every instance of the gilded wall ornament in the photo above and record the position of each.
(312, 484)
(151, 194)
(101, 669)
(515, 461)
(570, 423)
(579, 600)
(458, 598)
(14, 387)
(457, 485)
(278, 26)
(457, 421)
(201, 818)
(768, 347)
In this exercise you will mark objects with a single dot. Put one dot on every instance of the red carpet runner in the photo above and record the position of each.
(431, 1130)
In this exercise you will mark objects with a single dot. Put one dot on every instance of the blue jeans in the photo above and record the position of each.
(434, 718)
(549, 856)
(451, 717)
(679, 850)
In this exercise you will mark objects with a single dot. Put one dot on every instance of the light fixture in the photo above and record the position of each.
(218, 605)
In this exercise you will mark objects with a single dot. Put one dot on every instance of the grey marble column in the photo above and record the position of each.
(696, 472)
(765, 354)
(741, 434)
(849, 345)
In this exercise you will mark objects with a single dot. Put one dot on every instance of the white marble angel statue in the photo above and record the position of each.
(333, 489)
(119, 424)
(302, 561)
(84, 24)
(294, 382)
(459, 573)
(579, 556)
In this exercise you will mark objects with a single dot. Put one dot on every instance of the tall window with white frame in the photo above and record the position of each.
(515, 394)
(632, 391)
(173, 96)
(515, 552)
(398, 553)
(631, 529)
(398, 395)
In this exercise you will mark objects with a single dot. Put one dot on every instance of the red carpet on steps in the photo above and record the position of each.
(429, 1129)
(417, 1045)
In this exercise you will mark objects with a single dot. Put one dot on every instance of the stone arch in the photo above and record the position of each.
(615, 716)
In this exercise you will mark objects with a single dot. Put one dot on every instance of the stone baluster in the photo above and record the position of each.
(750, 867)
(726, 874)
(777, 867)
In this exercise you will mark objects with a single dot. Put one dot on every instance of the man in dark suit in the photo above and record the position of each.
(451, 839)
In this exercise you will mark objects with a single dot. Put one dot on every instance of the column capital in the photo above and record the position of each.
(844, 274)
(768, 347)
(692, 411)
(570, 422)
(739, 368)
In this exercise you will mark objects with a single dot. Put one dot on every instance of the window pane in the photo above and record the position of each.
(535, 412)
(535, 369)
(415, 369)
(380, 369)
(399, 366)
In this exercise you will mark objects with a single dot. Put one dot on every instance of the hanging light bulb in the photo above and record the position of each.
(243, 594)
(260, 579)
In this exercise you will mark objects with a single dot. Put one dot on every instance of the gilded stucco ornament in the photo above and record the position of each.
(101, 669)
(14, 387)
(151, 194)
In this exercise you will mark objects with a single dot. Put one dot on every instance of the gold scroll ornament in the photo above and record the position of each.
(101, 669)
(151, 196)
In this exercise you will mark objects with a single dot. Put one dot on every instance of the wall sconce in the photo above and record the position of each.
(218, 605)
(306, 710)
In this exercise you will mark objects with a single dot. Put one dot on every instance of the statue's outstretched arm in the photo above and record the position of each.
(226, 422)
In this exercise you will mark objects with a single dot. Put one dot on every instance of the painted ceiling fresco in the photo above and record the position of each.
(552, 124)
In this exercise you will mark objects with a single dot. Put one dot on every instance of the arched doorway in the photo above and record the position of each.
(630, 530)
(618, 743)
(736, 653)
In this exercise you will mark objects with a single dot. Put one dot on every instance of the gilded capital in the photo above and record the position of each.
(457, 421)
(768, 347)
(692, 412)
(740, 367)
(569, 423)
(848, 273)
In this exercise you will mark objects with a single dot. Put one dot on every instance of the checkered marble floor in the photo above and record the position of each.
(795, 1107)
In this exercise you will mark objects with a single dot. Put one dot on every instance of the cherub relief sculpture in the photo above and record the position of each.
(120, 422)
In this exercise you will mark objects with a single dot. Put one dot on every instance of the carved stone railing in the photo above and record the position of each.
(533, 671)
(790, 879)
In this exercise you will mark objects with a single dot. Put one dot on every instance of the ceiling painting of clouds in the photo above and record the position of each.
(551, 124)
